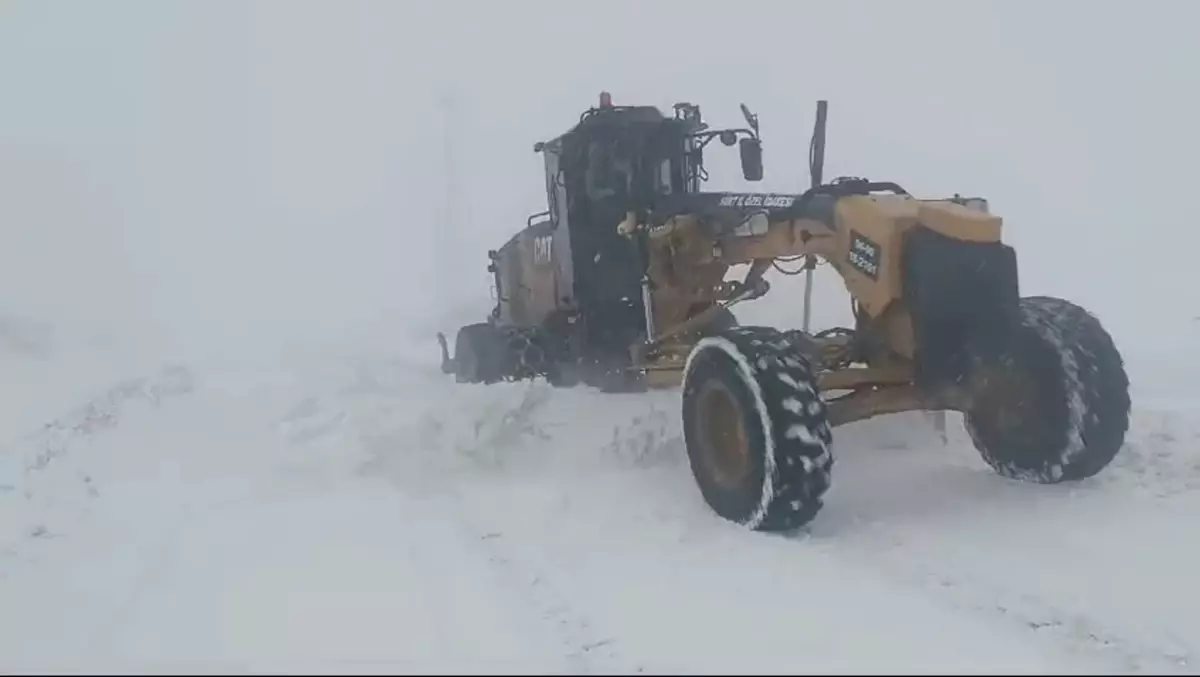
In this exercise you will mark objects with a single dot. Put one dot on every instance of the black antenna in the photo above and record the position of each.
(816, 158)
(816, 170)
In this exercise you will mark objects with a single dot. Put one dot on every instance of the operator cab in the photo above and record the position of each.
(618, 159)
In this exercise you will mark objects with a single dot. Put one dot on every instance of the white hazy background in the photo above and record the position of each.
(221, 176)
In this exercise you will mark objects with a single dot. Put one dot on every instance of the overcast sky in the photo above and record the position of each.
(228, 171)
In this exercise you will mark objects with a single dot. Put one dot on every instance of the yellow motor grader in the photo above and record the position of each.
(622, 284)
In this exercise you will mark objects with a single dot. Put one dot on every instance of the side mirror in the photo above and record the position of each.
(752, 166)
(751, 118)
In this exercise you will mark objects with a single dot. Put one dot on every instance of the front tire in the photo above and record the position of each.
(755, 429)
(722, 320)
(1054, 405)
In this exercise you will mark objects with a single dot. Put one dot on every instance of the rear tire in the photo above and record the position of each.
(755, 429)
(530, 353)
(1053, 406)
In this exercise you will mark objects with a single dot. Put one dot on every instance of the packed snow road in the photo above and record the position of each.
(373, 516)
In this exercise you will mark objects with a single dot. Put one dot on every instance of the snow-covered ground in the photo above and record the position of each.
(367, 514)
(189, 188)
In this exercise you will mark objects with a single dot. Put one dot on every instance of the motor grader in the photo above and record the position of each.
(622, 284)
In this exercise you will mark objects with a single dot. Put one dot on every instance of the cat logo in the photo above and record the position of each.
(542, 249)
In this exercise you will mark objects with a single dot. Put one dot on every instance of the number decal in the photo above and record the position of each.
(864, 255)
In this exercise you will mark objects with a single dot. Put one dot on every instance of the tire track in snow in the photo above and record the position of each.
(586, 647)
(1005, 532)
(161, 554)
(1076, 633)
(1051, 621)
(1050, 617)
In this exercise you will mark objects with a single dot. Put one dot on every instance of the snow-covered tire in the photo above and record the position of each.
(1054, 406)
(528, 354)
(721, 320)
(756, 429)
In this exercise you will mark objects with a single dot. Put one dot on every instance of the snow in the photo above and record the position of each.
(230, 231)
(373, 516)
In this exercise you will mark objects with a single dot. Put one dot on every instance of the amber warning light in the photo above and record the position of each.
(605, 100)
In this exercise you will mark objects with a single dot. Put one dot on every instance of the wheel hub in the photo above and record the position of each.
(724, 441)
